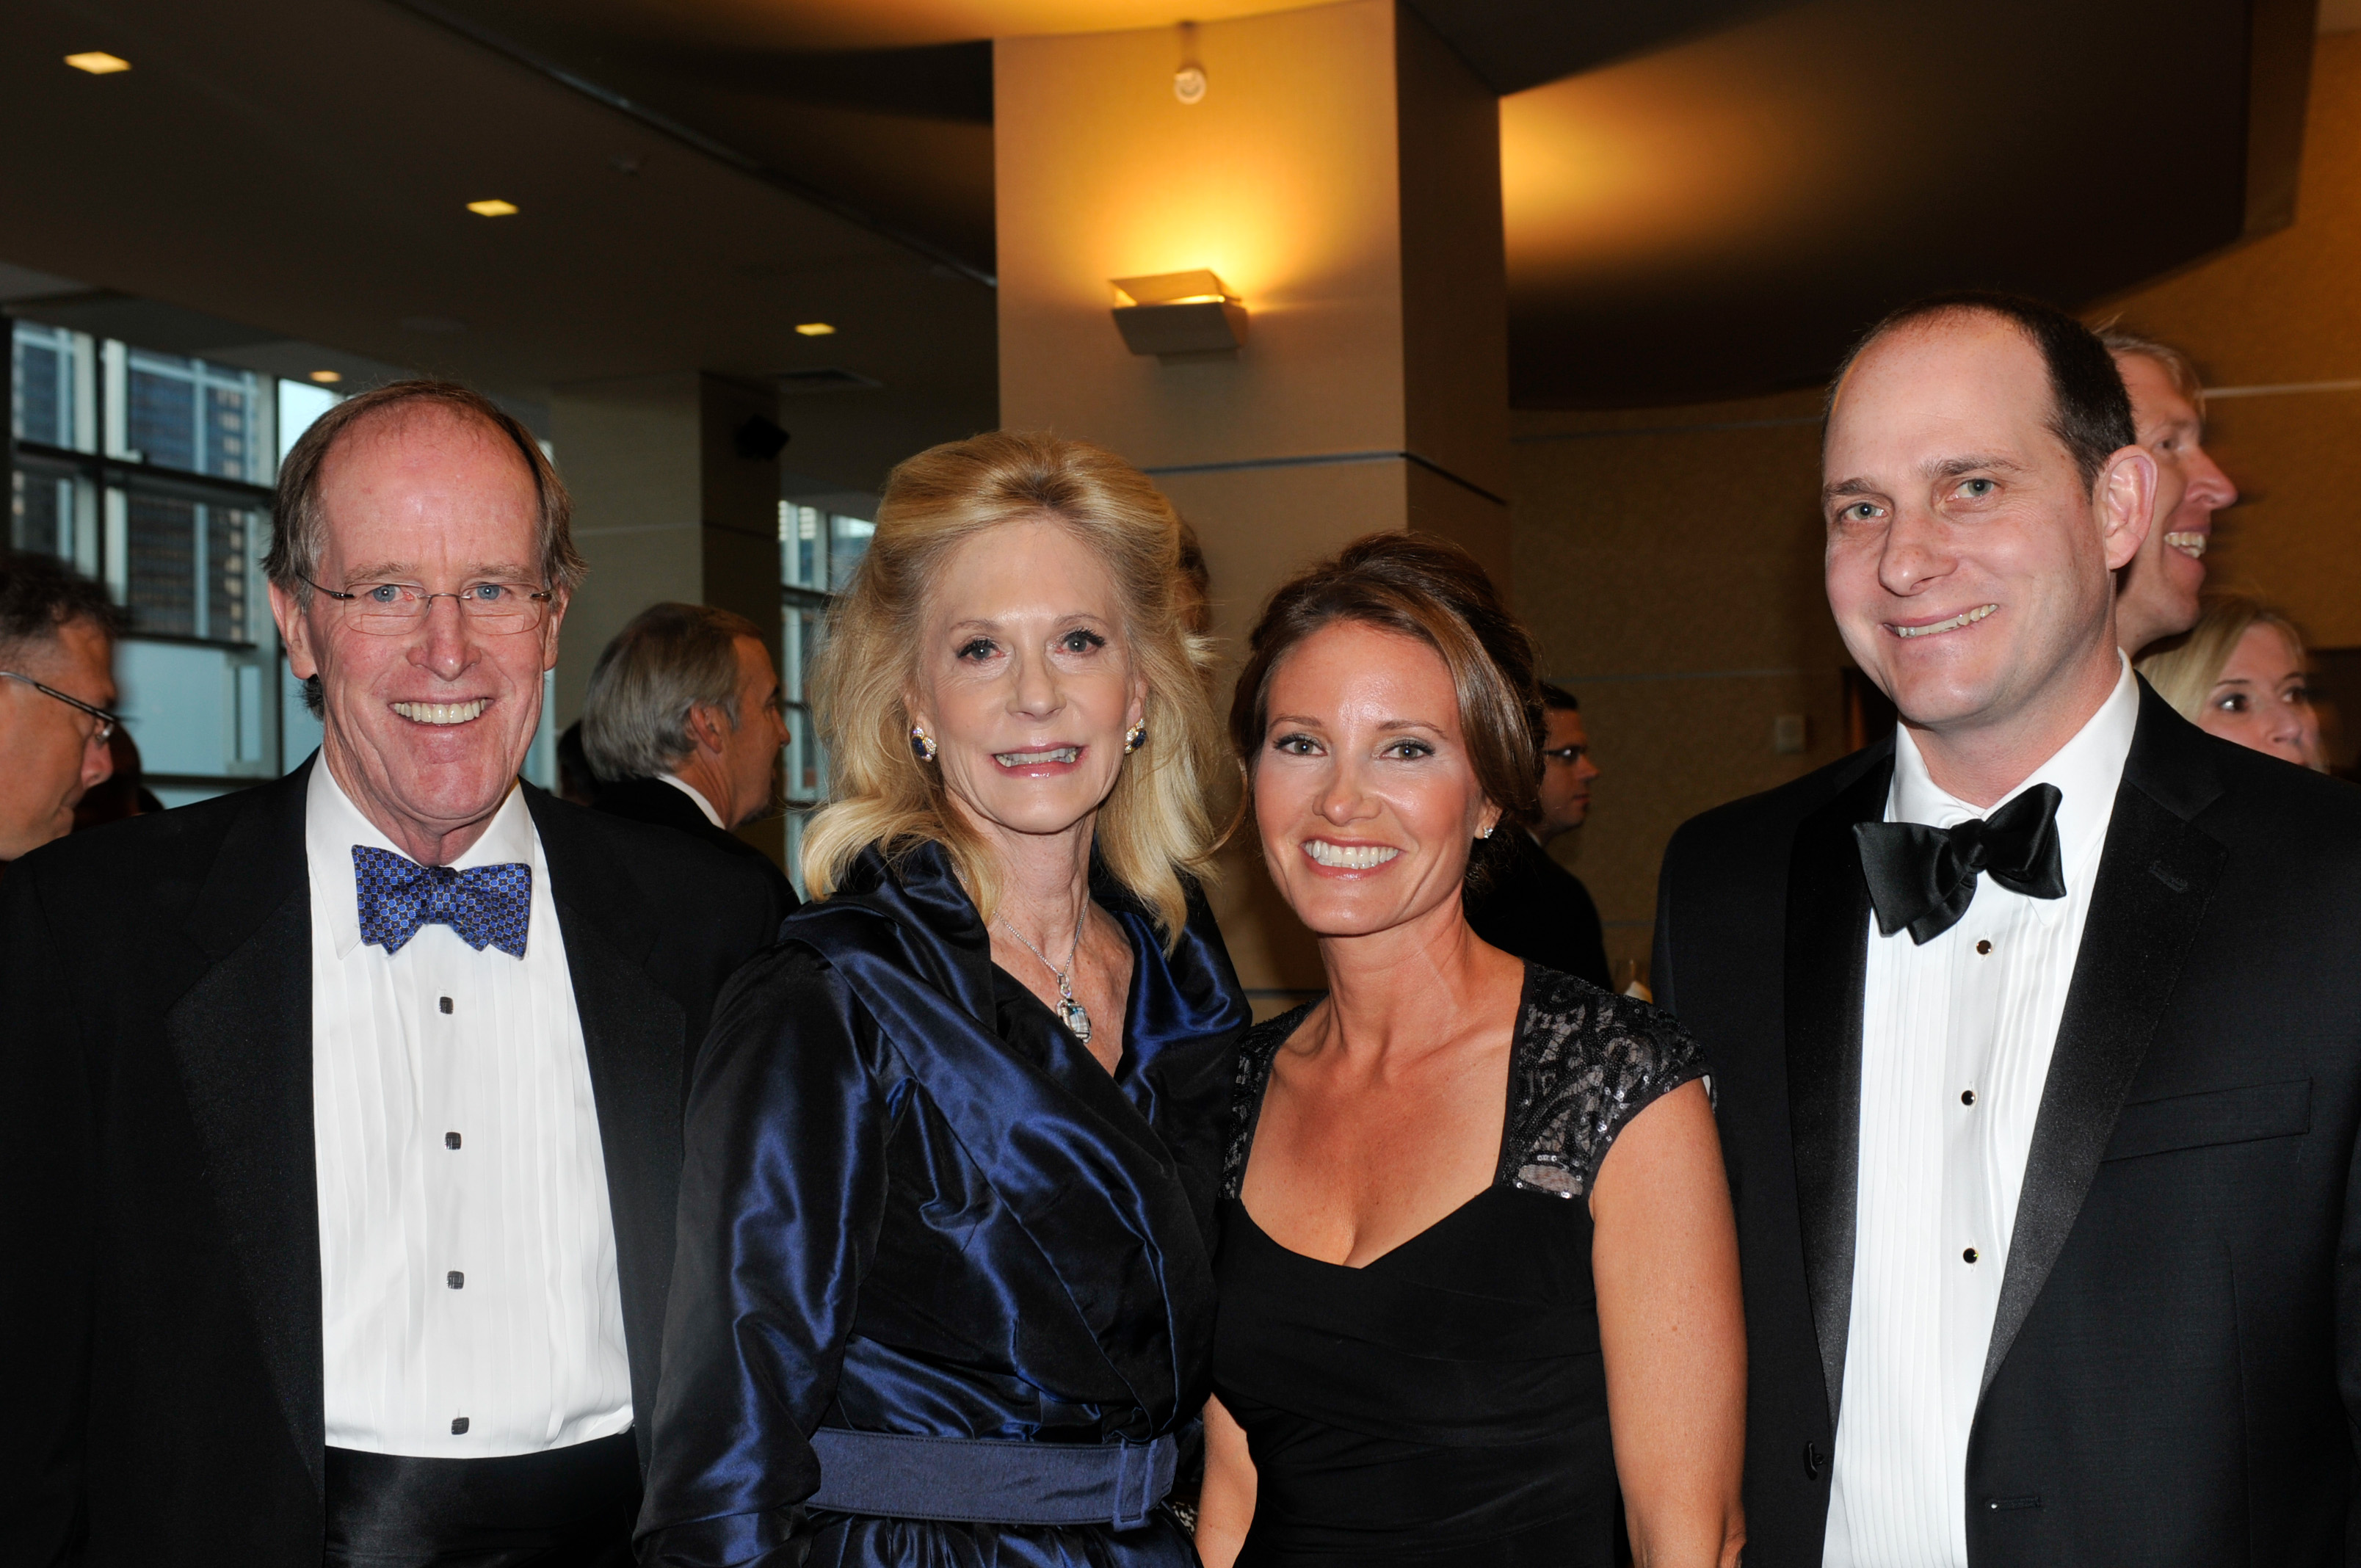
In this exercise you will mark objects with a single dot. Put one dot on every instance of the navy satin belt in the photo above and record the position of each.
(990, 1480)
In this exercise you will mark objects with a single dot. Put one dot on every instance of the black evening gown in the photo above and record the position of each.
(1445, 1404)
(913, 1204)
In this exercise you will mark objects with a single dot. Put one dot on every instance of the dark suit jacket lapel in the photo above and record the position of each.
(1827, 955)
(2155, 877)
(241, 1037)
(635, 1037)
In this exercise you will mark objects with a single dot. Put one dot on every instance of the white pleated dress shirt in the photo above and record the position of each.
(1956, 1042)
(469, 1288)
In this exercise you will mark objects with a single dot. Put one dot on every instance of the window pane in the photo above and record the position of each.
(300, 403)
(162, 540)
(162, 418)
(802, 546)
(206, 419)
(40, 511)
(230, 533)
(848, 542)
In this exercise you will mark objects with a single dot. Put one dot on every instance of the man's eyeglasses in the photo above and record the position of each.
(392, 609)
(107, 722)
(1569, 755)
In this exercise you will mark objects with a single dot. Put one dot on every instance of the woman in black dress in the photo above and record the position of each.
(1478, 1265)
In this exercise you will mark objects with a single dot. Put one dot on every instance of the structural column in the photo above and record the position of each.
(672, 501)
(1340, 170)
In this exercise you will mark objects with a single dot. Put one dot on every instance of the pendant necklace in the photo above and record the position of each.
(1070, 1012)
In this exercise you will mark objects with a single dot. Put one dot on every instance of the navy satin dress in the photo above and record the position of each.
(913, 1204)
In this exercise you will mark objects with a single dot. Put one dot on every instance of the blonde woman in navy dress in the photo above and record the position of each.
(945, 1291)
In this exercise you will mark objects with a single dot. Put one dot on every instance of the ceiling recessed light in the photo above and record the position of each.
(494, 208)
(327, 377)
(98, 62)
(814, 329)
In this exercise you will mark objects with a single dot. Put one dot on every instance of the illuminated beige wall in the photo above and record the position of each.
(1341, 174)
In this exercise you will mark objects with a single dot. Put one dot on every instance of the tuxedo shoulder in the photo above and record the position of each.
(2264, 798)
(1773, 812)
(663, 860)
(138, 857)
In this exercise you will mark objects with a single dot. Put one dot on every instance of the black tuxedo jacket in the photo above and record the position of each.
(1540, 911)
(653, 800)
(159, 1255)
(2175, 1366)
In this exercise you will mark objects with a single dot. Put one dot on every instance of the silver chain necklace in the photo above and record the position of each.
(1070, 1012)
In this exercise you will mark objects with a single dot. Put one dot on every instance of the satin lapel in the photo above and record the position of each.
(635, 1039)
(1828, 956)
(2155, 877)
(241, 1038)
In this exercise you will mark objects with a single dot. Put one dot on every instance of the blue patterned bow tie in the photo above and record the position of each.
(488, 906)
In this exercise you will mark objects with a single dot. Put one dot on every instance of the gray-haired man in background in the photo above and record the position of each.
(683, 726)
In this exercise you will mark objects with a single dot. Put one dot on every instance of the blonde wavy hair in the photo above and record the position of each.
(1153, 827)
(2184, 669)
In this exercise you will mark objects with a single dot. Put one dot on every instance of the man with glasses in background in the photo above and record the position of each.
(340, 1117)
(57, 685)
(1528, 905)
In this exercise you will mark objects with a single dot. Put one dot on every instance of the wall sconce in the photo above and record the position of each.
(1179, 316)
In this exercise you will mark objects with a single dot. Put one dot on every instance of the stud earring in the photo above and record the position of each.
(922, 744)
(1134, 739)
(1485, 834)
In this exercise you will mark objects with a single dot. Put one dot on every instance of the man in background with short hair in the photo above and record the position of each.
(1530, 906)
(2156, 596)
(683, 725)
(57, 691)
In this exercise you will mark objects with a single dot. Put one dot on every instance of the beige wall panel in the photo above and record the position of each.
(1669, 563)
(1260, 525)
(2297, 537)
(1478, 523)
(1454, 263)
(1282, 180)
(627, 450)
(631, 568)
(1668, 748)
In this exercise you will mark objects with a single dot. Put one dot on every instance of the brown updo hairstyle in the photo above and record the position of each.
(1424, 589)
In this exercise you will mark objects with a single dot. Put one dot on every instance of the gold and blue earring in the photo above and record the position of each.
(922, 745)
(1134, 738)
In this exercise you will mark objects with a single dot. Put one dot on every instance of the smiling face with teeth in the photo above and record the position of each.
(424, 731)
(1024, 682)
(1365, 794)
(2157, 596)
(1968, 563)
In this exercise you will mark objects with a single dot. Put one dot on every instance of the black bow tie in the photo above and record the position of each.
(1924, 878)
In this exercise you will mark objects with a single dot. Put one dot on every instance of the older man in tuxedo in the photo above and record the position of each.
(340, 1132)
(2036, 1028)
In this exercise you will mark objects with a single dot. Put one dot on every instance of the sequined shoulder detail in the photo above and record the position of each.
(1257, 1049)
(1586, 1061)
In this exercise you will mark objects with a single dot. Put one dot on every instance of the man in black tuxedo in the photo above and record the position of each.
(683, 725)
(1529, 905)
(2036, 1029)
(340, 1136)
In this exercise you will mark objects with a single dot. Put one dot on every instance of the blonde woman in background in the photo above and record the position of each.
(944, 1293)
(2239, 674)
